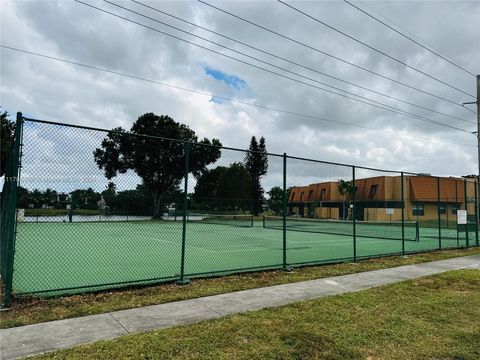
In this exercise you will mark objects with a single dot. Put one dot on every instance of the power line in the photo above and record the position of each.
(283, 69)
(397, 25)
(371, 102)
(410, 38)
(279, 57)
(235, 101)
(328, 54)
(373, 48)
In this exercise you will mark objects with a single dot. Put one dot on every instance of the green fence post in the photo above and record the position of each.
(438, 214)
(466, 209)
(354, 216)
(403, 213)
(3, 222)
(476, 184)
(10, 215)
(183, 280)
(284, 213)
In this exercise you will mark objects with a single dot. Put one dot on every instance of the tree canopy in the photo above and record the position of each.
(158, 162)
(7, 129)
(256, 163)
(207, 183)
(275, 200)
(234, 183)
(223, 188)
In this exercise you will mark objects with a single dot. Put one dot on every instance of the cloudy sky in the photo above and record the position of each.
(51, 90)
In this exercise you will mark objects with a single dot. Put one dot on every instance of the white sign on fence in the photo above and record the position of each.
(390, 211)
(462, 217)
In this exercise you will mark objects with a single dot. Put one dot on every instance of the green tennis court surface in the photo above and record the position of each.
(56, 255)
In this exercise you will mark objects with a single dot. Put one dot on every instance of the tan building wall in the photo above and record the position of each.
(327, 213)
(380, 214)
(417, 190)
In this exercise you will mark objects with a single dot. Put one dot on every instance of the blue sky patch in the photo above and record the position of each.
(230, 80)
(216, 100)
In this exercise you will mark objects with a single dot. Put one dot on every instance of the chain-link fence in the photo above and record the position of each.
(86, 209)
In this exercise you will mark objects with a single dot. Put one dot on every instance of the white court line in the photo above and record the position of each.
(232, 251)
(257, 249)
(212, 251)
(180, 244)
(345, 243)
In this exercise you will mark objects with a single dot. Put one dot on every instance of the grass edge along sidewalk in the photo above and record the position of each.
(428, 317)
(25, 311)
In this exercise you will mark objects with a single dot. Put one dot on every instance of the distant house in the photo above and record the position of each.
(375, 195)
(63, 197)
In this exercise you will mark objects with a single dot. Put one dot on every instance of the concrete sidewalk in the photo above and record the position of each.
(54, 335)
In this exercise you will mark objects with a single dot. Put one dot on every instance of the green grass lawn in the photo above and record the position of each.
(434, 317)
(32, 310)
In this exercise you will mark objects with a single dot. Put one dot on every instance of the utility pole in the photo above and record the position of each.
(477, 133)
(478, 124)
(477, 210)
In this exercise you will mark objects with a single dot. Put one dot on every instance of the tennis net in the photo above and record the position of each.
(367, 229)
(221, 219)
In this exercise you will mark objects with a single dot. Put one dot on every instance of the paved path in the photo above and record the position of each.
(60, 334)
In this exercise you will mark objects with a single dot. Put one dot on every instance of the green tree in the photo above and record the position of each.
(275, 199)
(234, 186)
(207, 183)
(256, 162)
(205, 192)
(159, 163)
(7, 129)
(36, 198)
(50, 197)
(109, 195)
(134, 202)
(85, 199)
(345, 188)
(22, 197)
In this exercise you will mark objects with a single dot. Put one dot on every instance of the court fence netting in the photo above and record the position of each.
(87, 209)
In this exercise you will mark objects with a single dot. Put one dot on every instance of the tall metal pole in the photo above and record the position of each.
(478, 143)
(439, 217)
(354, 215)
(284, 213)
(11, 181)
(478, 137)
(478, 123)
(183, 280)
(403, 213)
(465, 189)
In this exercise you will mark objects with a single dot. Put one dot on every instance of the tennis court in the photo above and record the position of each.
(61, 257)
(68, 227)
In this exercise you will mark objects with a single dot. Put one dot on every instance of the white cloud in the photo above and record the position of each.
(50, 90)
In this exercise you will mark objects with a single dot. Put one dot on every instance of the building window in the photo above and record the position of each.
(455, 207)
(323, 194)
(373, 191)
(418, 209)
(442, 209)
(293, 195)
(301, 196)
(310, 195)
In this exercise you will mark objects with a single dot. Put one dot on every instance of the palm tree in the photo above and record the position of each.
(345, 188)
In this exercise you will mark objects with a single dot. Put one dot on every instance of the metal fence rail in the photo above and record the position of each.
(75, 220)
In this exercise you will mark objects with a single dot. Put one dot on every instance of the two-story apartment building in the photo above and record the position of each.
(380, 199)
